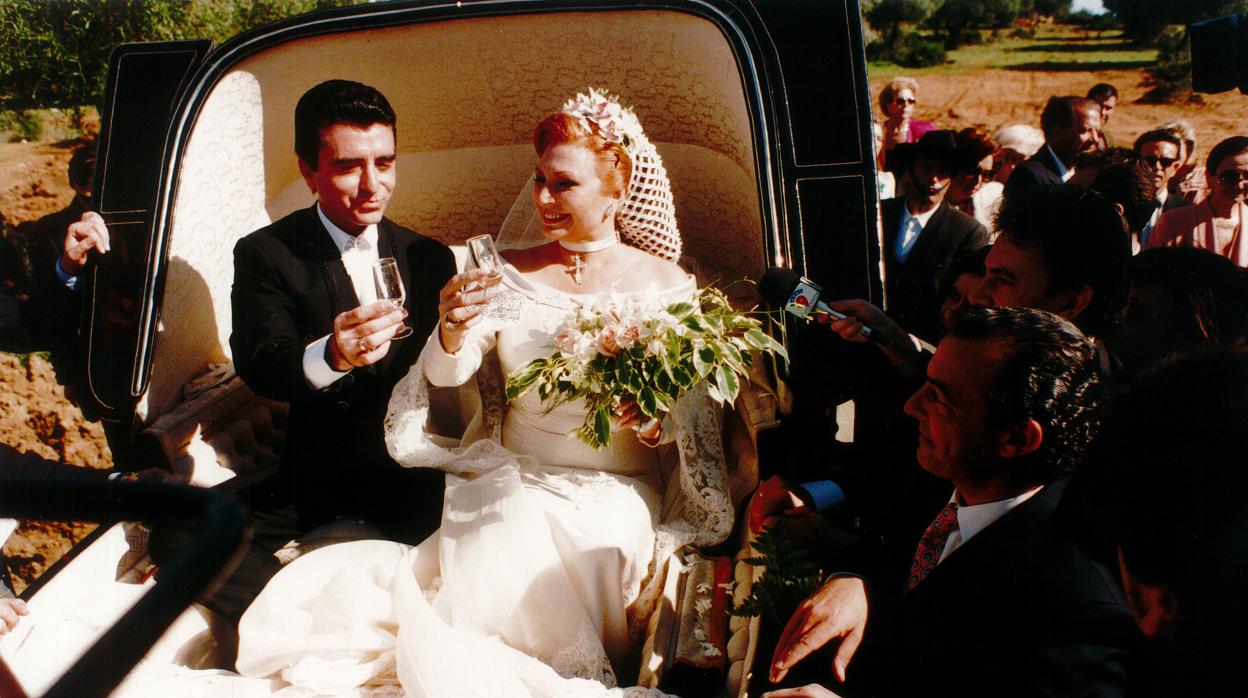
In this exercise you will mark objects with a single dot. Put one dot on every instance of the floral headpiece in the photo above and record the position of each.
(610, 120)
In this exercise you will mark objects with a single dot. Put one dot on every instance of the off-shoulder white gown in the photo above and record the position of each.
(526, 587)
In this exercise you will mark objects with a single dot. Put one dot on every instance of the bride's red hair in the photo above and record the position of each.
(614, 165)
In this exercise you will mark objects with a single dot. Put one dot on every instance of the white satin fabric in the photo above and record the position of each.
(544, 567)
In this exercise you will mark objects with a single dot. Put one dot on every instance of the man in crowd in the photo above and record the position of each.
(308, 328)
(1159, 153)
(1071, 125)
(985, 590)
(51, 308)
(923, 233)
(1064, 250)
(1106, 96)
(1173, 491)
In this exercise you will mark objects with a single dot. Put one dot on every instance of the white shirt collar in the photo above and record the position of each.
(974, 518)
(1063, 171)
(1162, 195)
(341, 237)
(922, 218)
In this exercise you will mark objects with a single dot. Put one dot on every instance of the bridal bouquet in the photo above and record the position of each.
(620, 349)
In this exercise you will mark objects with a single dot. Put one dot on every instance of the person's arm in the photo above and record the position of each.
(463, 335)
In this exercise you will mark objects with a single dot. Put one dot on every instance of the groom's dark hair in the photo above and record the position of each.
(337, 102)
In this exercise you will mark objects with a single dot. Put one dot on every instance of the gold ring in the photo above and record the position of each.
(361, 345)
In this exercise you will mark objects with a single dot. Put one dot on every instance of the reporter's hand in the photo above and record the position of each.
(772, 497)
(362, 335)
(11, 611)
(460, 302)
(837, 611)
(886, 333)
(86, 234)
(810, 690)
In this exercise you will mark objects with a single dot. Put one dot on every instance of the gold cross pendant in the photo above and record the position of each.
(577, 267)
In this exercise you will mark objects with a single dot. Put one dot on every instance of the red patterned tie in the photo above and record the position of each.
(932, 544)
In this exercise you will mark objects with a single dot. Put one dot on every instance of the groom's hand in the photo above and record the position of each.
(362, 336)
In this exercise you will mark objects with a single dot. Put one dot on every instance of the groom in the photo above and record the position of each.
(309, 330)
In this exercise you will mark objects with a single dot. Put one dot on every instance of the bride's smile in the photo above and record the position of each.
(574, 203)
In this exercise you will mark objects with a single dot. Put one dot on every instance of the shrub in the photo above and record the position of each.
(25, 125)
(1170, 78)
(912, 51)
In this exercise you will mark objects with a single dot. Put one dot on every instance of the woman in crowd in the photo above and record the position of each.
(1015, 143)
(897, 102)
(973, 190)
(1189, 182)
(1217, 223)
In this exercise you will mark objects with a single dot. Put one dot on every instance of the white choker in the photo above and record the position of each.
(591, 246)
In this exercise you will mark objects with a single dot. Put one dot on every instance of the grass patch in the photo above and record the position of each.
(1054, 48)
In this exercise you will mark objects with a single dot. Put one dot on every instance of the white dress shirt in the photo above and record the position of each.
(976, 517)
(908, 232)
(358, 254)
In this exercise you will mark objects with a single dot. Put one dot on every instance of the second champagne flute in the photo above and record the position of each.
(390, 287)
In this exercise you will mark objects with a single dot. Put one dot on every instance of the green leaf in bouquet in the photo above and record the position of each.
(728, 383)
(713, 391)
(683, 376)
(646, 401)
(663, 401)
(523, 378)
(602, 427)
(680, 310)
(704, 361)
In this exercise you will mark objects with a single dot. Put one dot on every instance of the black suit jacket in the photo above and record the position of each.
(1039, 170)
(1021, 609)
(289, 285)
(914, 285)
(1173, 201)
(51, 311)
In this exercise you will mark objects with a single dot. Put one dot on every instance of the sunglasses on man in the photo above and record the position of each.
(1153, 160)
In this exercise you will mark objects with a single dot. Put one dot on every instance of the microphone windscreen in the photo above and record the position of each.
(777, 285)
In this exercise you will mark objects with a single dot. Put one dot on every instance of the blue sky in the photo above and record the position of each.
(1093, 6)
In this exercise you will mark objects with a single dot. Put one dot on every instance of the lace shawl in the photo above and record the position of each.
(697, 507)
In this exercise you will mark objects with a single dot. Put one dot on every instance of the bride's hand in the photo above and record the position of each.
(459, 305)
(649, 430)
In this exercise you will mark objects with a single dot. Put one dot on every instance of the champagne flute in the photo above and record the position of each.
(483, 255)
(390, 287)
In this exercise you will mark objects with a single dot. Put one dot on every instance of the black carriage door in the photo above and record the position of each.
(144, 81)
(823, 119)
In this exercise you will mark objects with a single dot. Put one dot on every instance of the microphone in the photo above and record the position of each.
(798, 295)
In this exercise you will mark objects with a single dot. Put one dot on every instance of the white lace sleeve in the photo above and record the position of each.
(698, 507)
(445, 370)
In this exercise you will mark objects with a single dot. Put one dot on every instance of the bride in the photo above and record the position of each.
(551, 553)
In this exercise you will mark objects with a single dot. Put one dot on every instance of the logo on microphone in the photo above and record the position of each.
(803, 298)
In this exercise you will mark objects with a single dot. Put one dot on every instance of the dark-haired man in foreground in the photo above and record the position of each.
(984, 591)
(309, 330)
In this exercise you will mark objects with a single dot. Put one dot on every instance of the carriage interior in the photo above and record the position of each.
(465, 116)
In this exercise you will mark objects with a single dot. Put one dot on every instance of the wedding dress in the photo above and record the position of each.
(550, 555)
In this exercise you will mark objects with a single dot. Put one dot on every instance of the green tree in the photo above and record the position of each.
(1144, 21)
(887, 16)
(957, 21)
(55, 52)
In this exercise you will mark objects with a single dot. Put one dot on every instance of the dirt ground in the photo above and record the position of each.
(990, 99)
(34, 413)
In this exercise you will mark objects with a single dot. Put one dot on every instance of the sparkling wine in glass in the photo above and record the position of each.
(390, 288)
